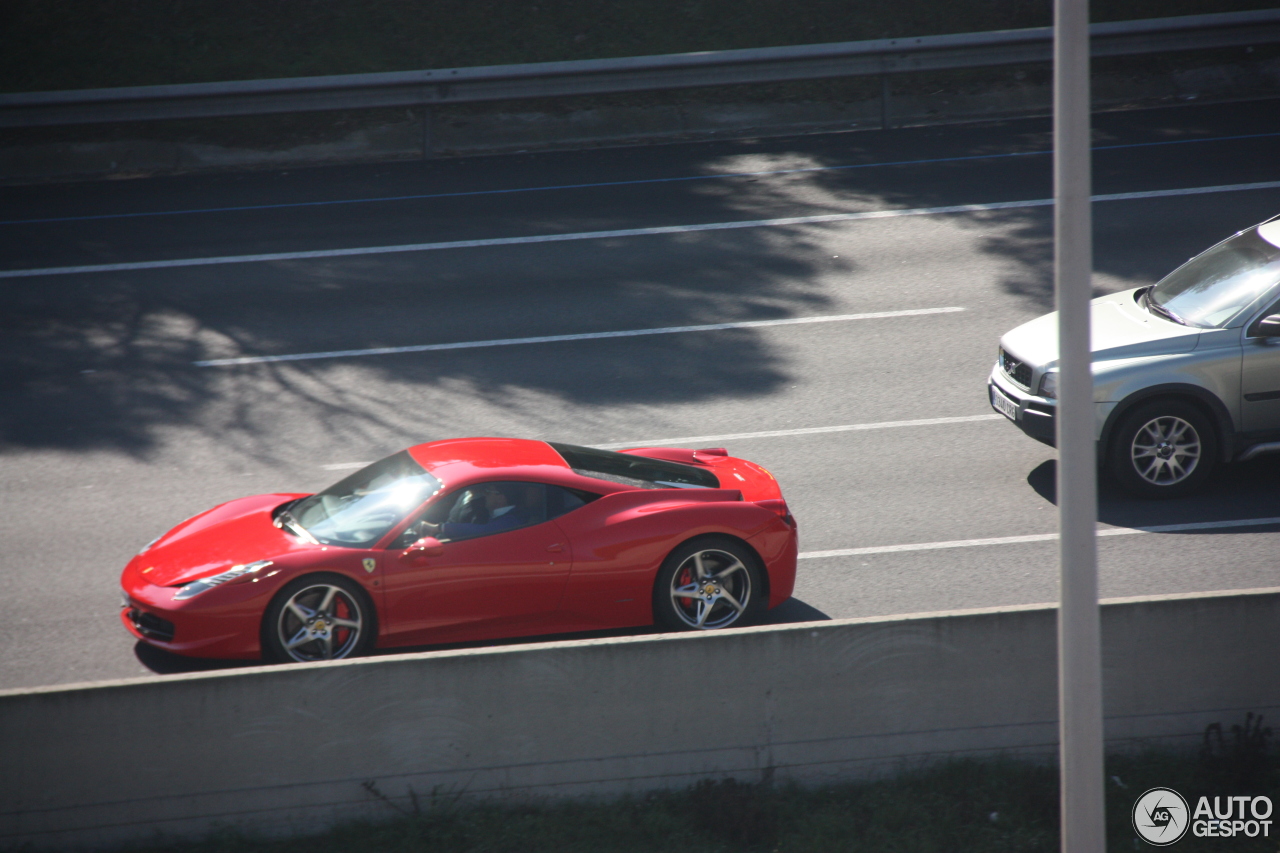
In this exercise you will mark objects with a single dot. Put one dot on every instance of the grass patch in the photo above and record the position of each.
(992, 804)
(74, 44)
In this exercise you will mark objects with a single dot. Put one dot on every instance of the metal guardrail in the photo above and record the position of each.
(629, 74)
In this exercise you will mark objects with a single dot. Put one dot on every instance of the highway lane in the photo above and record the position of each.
(501, 196)
(111, 434)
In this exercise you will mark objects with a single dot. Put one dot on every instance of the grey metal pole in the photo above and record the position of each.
(1079, 644)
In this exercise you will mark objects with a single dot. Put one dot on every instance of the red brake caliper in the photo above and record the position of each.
(342, 611)
(686, 578)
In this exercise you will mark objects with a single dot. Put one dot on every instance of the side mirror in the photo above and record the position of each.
(418, 553)
(1267, 327)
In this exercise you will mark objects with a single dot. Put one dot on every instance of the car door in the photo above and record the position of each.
(483, 580)
(1260, 377)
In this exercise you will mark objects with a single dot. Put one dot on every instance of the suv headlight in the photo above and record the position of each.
(196, 587)
(1049, 385)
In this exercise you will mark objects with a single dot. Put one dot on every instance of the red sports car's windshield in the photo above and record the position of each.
(361, 509)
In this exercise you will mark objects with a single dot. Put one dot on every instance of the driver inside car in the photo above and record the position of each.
(499, 507)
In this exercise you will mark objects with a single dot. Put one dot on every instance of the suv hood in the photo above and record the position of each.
(1120, 329)
(233, 533)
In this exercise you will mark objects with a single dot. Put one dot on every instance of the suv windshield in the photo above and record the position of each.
(361, 509)
(1215, 290)
(639, 471)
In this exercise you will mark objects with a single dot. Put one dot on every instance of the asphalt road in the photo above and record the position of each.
(110, 432)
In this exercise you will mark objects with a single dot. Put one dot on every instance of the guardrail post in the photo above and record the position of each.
(426, 131)
(1079, 644)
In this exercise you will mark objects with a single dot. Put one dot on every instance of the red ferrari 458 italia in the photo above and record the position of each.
(470, 539)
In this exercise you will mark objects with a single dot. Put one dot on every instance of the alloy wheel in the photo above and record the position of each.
(320, 622)
(710, 589)
(1165, 450)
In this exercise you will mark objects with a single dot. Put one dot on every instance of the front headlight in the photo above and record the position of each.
(1049, 385)
(196, 587)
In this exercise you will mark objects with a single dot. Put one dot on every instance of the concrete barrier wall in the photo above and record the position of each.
(284, 749)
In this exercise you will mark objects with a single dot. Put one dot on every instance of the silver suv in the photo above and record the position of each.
(1186, 373)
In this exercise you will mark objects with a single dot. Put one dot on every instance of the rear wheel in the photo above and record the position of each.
(1163, 449)
(322, 617)
(707, 584)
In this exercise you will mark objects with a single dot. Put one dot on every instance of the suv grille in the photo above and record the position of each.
(1016, 370)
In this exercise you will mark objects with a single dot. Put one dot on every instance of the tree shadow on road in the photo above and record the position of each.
(108, 361)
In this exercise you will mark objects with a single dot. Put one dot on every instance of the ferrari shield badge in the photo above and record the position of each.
(370, 564)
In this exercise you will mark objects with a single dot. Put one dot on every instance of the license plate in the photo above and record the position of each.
(1004, 405)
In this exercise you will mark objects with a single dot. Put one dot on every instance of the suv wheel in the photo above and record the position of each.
(1163, 449)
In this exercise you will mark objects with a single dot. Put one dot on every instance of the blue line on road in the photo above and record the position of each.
(552, 188)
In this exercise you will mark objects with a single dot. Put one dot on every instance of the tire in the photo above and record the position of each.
(318, 617)
(709, 583)
(1163, 449)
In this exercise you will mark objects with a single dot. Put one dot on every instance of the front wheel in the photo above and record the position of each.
(706, 584)
(1163, 449)
(322, 617)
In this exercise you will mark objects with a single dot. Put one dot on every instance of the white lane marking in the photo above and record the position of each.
(1036, 537)
(621, 232)
(586, 336)
(779, 433)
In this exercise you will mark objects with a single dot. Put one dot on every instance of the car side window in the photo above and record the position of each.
(561, 500)
(480, 510)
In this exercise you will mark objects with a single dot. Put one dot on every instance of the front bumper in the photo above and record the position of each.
(1036, 416)
(195, 630)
